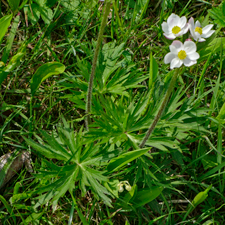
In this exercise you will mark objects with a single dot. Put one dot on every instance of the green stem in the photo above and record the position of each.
(31, 116)
(94, 62)
(161, 109)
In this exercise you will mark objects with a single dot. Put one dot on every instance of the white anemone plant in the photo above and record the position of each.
(175, 26)
(197, 32)
(181, 54)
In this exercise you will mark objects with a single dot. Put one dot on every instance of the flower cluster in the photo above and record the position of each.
(184, 53)
(124, 183)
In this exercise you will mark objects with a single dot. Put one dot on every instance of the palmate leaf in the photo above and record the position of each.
(113, 75)
(77, 158)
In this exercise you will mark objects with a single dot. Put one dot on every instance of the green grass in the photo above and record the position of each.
(76, 172)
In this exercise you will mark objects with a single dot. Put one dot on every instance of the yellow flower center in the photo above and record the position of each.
(182, 54)
(176, 30)
(199, 30)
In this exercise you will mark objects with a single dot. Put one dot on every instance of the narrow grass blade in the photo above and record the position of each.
(8, 207)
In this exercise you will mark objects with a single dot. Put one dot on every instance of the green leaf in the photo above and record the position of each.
(153, 72)
(8, 207)
(130, 194)
(4, 24)
(33, 15)
(201, 196)
(218, 14)
(49, 151)
(145, 196)
(221, 114)
(46, 14)
(112, 186)
(11, 38)
(14, 5)
(125, 158)
(33, 218)
(43, 72)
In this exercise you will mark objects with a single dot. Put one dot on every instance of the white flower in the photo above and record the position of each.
(181, 54)
(199, 33)
(120, 187)
(128, 187)
(175, 26)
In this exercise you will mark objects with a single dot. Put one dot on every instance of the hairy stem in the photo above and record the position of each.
(161, 109)
(94, 62)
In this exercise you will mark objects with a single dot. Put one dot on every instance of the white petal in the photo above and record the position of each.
(189, 47)
(173, 49)
(197, 36)
(169, 57)
(185, 28)
(170, 36)
(165, 27)
(183, 31)
(207, 28)
(193, 56)
(175, 63)
(191, 22)
(192, 33)
(188, 62)
(171, 17)
(201, 39)
(208, 34)
(182, 22)
(197, 24)
(173, 21)
(177, 44)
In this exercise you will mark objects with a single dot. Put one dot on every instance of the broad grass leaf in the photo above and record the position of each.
(125, 158)
(212, 172)
(14, 5)
(43, 72)
(145, 196)
(34, 217)
(214, 46)
(201, 196)
(10, 38)
(13, 63)
(46, 14)
(4, 24)
(221, 114)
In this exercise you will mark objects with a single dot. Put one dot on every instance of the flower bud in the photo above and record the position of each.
(128, 187)
(120, 187)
